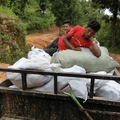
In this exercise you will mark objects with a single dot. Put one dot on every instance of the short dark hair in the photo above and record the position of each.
(94, 25)
(67, 22)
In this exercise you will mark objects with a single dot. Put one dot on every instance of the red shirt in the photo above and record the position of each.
(76, 41)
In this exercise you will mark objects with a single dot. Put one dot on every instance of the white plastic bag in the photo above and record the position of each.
(35, 52)
(98, 82)
(78, 84)
(110, 90)
(48, 87)
(79, 89)
(33, 80)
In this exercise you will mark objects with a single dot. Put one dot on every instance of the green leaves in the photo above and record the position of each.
(66, 10)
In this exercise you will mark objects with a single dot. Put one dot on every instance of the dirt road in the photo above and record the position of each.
(41, 40)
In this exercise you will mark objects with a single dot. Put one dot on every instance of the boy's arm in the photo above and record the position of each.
(67, 43)
(95, 48)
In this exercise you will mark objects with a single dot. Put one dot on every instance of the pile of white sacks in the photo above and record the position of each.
(40, 60)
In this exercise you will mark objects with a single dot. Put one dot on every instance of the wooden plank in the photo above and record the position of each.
(3, 79)
(5, 82)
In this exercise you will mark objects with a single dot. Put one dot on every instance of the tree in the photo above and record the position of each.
(4, 2)
(18, 6)
(43, 4)
(89, 11)
(114, 7)
(66, 10)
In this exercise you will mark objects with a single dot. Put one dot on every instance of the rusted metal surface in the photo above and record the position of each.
(39, 106)
(34, 105)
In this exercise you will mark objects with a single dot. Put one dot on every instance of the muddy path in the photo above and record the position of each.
(41, 40)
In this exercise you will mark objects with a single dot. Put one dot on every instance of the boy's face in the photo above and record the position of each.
(88, 32)
(66, 27)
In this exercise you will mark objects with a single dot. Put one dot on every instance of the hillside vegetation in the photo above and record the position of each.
(12, 39)
(23, 17)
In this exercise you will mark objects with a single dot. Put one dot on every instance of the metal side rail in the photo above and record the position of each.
(26, 104)
(56, 74)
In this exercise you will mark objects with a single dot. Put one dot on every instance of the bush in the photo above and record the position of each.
(114, 49)
(12, 38)
(38, 21)
(7, 11)
(104, 35)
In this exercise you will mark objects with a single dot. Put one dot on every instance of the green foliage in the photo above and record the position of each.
(79, 12)
(104, 34)
(31, 6)
(38, 21)
(8, 11)
(112, 4)
(114, 49)
(89, 11)
(41, 14)
(12, 39)
(11, 57)
(43, 4)
(114, 7)
(18, 6)
(118, 32)
(66, 10)
(34, 19)
(4, 2)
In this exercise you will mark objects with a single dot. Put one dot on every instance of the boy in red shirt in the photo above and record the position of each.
(80, 37)
(53, 47)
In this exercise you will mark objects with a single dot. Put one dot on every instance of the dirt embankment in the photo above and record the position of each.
(41, 40)
(2, 74)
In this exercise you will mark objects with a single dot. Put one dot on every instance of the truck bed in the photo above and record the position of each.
(26, 104)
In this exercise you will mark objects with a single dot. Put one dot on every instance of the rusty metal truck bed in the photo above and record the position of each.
(26, 104)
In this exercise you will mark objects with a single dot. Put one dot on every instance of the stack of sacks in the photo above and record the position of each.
(111, 90)
(101, 66)
(86, 59)
(98, 82)
(35, 52)
(105, 88)
(78, 85)
(38, 60)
